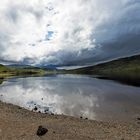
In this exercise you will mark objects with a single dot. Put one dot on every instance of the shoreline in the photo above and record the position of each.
(19, 123)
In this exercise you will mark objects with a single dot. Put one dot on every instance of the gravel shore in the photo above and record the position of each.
(17, 123)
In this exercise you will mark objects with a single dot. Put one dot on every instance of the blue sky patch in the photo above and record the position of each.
(49, 35)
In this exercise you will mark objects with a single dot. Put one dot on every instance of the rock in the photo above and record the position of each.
(52, 114)
(41, 131)
(35, 108)
(19, 107)
(86, 118)
(138, 118)
(46, 110)
(41, 98)
(81, 117)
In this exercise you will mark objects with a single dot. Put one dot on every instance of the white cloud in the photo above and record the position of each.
(76, 25)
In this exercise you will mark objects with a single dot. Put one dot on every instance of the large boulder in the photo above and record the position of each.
(41, 131)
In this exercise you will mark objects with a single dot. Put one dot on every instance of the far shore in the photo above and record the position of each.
(19, 123)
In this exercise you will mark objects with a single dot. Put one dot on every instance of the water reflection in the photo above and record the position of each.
(73, 95)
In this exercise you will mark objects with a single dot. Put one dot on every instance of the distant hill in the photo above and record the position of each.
(19, 66)
(49, 67)
(124, 69)
(4, 68)
(20, 70)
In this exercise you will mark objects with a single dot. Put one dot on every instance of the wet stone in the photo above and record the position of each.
(35, 108)
(52, 114)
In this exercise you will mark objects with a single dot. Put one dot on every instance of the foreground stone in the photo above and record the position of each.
(41, 131)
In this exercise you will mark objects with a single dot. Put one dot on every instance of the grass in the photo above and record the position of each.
(125, 70)
(8, 72)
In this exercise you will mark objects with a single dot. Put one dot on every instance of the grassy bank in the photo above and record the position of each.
(8, 72)
(124, 69)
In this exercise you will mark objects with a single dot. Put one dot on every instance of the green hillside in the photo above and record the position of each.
(3, 68)
(7, 71)
(124, 69)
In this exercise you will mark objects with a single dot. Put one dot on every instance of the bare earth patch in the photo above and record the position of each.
(19, 124)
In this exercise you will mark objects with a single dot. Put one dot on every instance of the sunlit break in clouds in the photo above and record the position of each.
(68, 32)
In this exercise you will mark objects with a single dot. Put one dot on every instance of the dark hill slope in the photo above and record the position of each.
(124, 69)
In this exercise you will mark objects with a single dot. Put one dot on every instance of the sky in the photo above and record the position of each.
(68, 32)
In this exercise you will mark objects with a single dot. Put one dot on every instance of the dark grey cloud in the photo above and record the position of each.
(77, 33)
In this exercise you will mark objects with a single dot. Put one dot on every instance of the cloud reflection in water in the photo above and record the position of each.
(69, 95)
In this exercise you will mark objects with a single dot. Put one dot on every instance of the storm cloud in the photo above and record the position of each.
(70, 32)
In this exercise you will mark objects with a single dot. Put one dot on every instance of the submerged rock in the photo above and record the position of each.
(35, 108)
(41, 131)
(46, 110)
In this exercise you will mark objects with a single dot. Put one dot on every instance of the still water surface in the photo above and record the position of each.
(74, 95)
